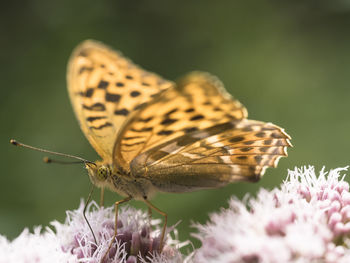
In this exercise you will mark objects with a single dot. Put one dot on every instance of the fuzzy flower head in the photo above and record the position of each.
(138, 240)
(135, 241)
(306, 220)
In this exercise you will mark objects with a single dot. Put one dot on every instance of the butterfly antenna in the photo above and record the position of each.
(48, 160)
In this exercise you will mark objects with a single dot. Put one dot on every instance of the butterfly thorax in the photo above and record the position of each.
(105, 175)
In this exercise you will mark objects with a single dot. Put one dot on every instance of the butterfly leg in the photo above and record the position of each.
(115, 225)
(84, 212)
(150, 206)
(102, 197)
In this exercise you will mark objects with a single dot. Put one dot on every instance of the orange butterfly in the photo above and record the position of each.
(156, 135)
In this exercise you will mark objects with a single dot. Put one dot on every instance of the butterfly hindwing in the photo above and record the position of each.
(209, 158)
(105, 89)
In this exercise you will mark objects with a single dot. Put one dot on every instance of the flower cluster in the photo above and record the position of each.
(73, 241)
(34, 247)
(306, 220)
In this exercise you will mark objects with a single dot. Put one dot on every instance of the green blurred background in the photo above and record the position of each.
(288, 62)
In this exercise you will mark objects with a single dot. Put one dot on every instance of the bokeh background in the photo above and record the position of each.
(288, 62)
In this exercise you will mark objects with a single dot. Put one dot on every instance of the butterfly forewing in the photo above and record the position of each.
(198, 102)
(105, 88)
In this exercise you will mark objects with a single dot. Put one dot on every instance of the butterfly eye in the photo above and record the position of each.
(102, 173)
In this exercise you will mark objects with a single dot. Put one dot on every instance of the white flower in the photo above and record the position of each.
(34, 247)
(74, 242)
(306, 220)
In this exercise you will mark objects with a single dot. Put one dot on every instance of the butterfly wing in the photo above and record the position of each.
(104, 88)
(197, 136)
(199, 101)
(209, 158)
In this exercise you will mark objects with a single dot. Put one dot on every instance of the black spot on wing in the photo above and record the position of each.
(189, 110)
(84, 68)
(247, 149)
(267, 142)
(135, 94)
(88, 93)
(103, 84)
(168, 121)
(145, 129)
(123, 112)
(107, 124)
(171, 112)
(264, 149)
(132, 138)
(95, 107)
(277, 135)
(145, 120)
(236, 139)
(91, 119)
(197, 117)
(260, 134)
(110, 97)
(165, 132)
(281, 143)
(119, 84)
(132, 144)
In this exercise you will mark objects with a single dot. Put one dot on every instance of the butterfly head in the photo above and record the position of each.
(98, 173)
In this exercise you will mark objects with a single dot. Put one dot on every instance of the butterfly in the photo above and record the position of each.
(155, 135)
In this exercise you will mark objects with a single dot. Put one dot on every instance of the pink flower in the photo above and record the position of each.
(306, 220)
